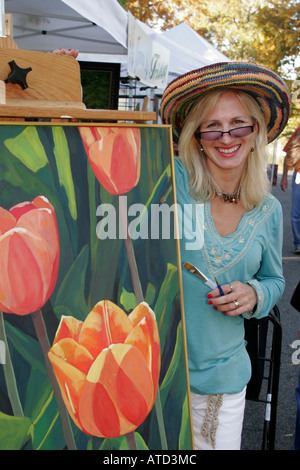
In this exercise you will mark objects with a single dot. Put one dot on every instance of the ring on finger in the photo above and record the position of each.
(236, 303)
(232, 287)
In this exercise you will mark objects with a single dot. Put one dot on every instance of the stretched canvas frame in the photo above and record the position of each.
(96, 263)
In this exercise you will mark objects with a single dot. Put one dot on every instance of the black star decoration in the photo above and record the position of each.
(18, 75)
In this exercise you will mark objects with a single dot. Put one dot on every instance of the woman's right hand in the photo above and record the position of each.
(239, 297)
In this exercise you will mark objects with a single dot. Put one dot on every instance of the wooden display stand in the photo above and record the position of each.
(47, 85)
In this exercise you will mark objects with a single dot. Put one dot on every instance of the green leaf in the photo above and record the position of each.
(39, 401)
(14, 432)
(159, 193)
(28, 148)
(48, 433)
(120, 443)
(128, 300)
(173, 392)
(174, 367)
(164, 302)
(63, 164)
(185, 430)
(70, 299)
(150, 294)
(27, 347)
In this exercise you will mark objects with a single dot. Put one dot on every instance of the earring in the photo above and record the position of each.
(252, 149)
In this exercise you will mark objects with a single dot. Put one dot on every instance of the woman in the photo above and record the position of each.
(292, 162)
(223, 116)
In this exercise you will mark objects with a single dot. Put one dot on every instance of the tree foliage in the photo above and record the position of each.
(265, 31)
(279, 21)
(166, 14)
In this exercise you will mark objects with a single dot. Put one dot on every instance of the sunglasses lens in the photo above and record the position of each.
(241, 131)
(210, 136)
(216, 135)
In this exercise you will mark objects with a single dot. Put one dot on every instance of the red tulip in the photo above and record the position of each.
(114, 156)
(108, 368)
(29, 256)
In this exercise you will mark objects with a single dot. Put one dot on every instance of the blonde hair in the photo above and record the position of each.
(254, 182)
(293, 153)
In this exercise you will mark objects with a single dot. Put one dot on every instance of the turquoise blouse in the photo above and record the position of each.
(217, 357)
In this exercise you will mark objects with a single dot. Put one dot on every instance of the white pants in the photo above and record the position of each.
(218, 421)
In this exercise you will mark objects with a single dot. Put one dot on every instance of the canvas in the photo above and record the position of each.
(93, 353)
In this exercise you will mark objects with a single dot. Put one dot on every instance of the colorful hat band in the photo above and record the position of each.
(262, 84)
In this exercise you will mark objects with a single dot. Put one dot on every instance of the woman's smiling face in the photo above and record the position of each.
(227, 152)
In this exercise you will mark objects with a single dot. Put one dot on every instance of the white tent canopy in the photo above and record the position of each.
(188, 50)
(98, 29)
(203, 52)
(90, 26)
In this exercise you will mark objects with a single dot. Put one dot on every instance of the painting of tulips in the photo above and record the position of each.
(92, 332)
(30, 249)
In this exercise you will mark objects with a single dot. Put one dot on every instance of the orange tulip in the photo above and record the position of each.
(108, 368)
(114, 156)
(29, 256)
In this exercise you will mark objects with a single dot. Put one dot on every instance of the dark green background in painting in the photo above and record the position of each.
(51, 161)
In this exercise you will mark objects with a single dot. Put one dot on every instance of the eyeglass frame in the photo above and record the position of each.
(198, 133)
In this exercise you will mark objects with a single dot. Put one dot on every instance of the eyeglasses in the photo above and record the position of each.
(216, 135)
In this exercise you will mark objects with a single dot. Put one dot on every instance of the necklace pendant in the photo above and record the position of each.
(230, 198)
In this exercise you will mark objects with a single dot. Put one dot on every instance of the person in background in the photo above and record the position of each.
(292, 162)
(223, 116)
(297, 429)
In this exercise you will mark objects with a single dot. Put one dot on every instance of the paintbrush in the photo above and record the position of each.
(196, 272)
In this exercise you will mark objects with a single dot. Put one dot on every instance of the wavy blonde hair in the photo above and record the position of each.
(254, 184)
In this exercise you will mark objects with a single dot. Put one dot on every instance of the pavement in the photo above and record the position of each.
(290, 321)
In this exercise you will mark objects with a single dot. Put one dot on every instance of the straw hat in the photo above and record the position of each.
(265, 86)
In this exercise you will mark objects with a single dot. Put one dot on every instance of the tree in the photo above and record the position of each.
(280, 42)
(229, 26)
(166, 14)
(265, 31)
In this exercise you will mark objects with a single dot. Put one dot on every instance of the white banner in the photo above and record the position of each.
(147, 60)
(2, 18)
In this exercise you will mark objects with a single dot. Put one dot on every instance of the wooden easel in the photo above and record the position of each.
(51, 89)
